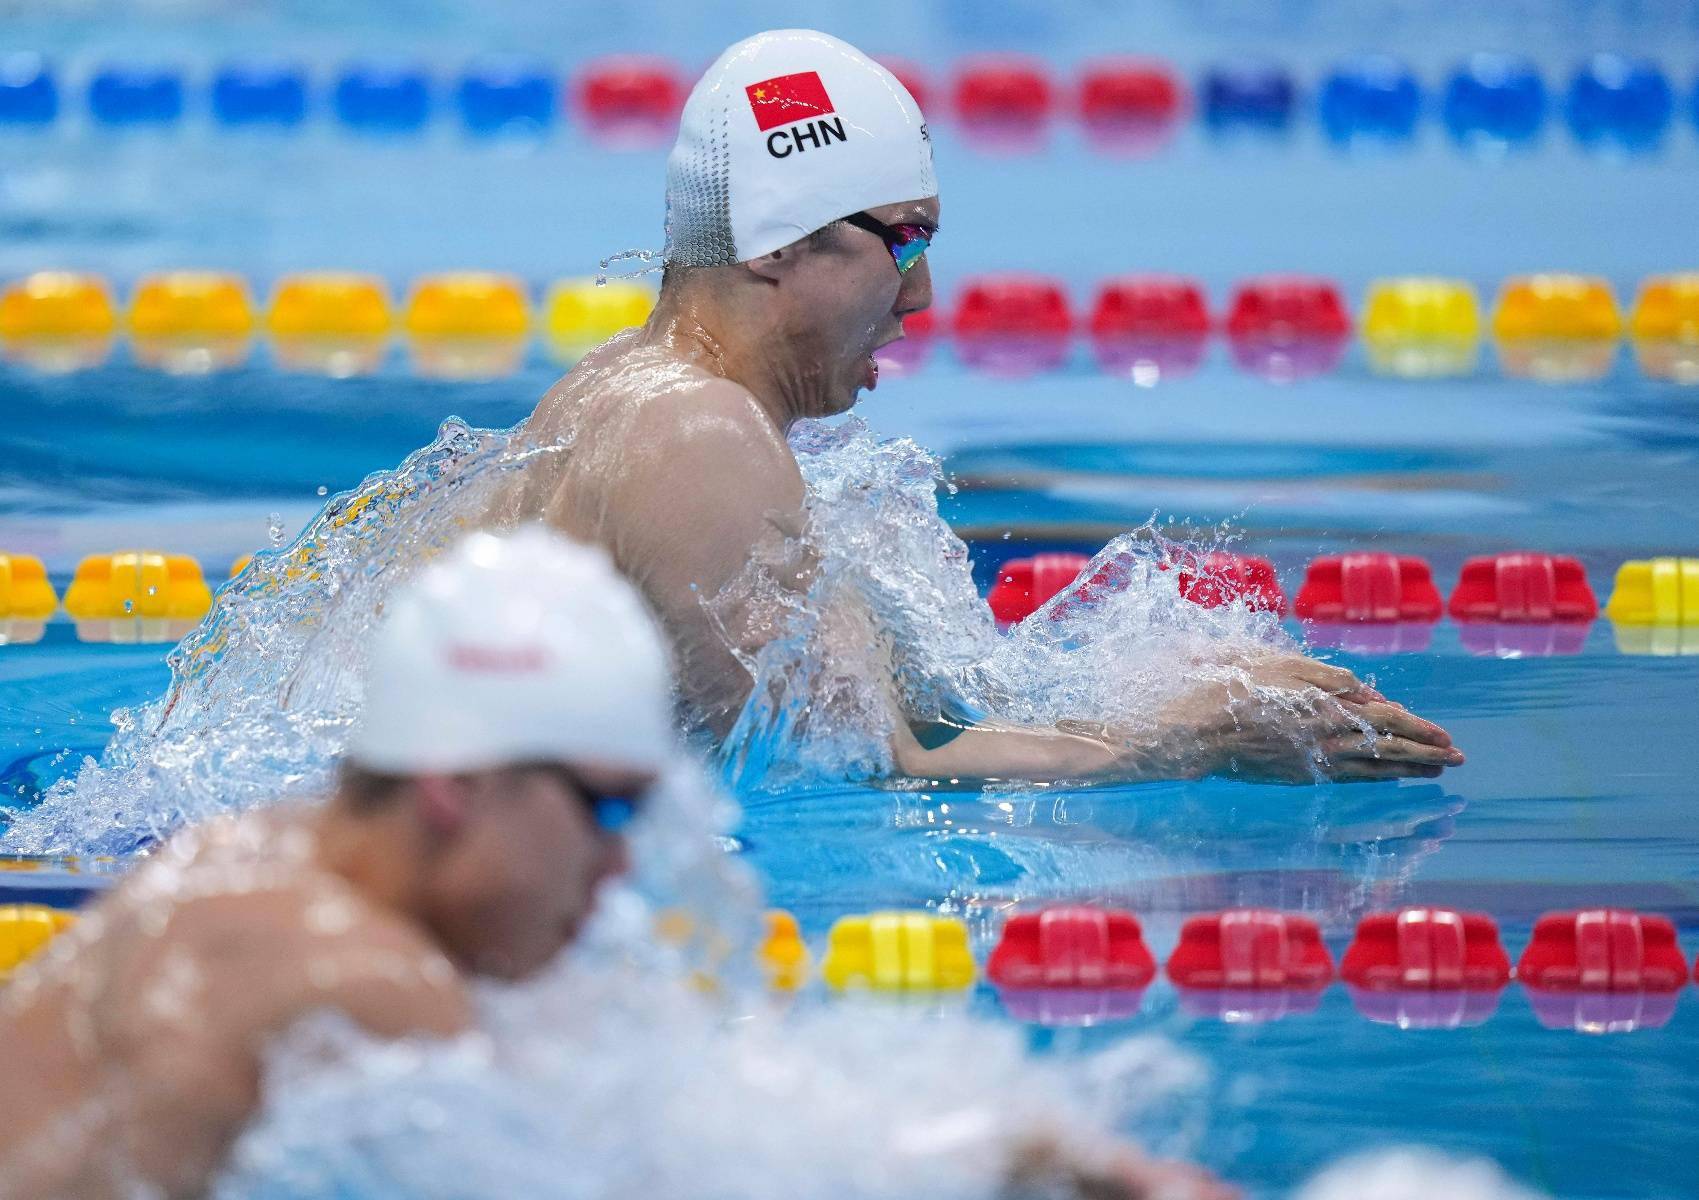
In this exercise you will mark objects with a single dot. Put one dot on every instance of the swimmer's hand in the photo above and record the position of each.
(1290, 719)
(1044, 1170)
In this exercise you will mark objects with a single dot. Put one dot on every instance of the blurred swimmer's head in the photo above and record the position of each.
(801, 199)
(518, 708)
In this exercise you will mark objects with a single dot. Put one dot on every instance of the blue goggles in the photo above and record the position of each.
(611, 812)
(905, 242)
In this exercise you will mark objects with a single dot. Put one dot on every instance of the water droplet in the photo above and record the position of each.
(275, 530)
(323, 491)
(129, 607)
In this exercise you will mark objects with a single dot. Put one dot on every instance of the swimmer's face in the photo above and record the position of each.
(519, 878)
(842, 299)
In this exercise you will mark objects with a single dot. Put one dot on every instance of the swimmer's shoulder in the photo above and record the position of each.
(264, 953)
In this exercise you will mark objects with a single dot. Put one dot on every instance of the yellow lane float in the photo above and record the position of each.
(25, 929)
(1655, 606)
(467, 324)
(330, 322)
(192, 322)
(1665, 327)
(580, 314)
(1422, 327)
(58, 320)
(137, 596)
(1557, 328)
(27, 599)
(899, 952)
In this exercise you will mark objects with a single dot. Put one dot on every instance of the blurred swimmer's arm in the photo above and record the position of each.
(1043, 1167)
(230, 973)
(1285, 719)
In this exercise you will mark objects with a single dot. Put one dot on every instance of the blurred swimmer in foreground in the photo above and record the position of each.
(517, 709)
(800, 205)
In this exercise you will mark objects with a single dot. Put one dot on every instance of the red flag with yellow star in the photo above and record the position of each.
(787, 98)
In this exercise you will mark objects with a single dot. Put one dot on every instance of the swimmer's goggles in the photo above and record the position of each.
(905, 242)
(611, 811)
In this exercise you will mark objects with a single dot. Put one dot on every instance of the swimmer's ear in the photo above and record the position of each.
(772, 267)
(442, 803)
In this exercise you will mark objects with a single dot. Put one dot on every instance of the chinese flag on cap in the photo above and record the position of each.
(787, 98)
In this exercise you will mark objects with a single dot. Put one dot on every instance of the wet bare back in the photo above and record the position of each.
(132, 1047)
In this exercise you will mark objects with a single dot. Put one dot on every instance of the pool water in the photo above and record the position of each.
(1581, 765)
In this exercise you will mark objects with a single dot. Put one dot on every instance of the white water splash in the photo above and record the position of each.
(1413, 1173)
(602, 1083)
(1112, 652)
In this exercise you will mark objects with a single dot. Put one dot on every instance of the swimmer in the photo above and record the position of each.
(518, 707)
(801, 203)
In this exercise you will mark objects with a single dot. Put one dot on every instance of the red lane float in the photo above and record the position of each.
(1006, 100)
(1250, 965)
(1013, 323)
(1603, 950)
(1603, 970)
(1523, 587)
(912, 77)
(1287, 327)
(1220, 578)
(1287, 307)
(1426, 968)
(1368, 587)
(1129, 104)
(1072, 946)
(1426, 949)
(1025, 585)
(1149, 326)
(1250, 948)
(631, 96)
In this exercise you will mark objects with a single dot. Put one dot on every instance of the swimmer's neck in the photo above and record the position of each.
(727, 333)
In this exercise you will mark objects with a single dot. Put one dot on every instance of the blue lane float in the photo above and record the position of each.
(1495, 98)
(383, 97)
(497, 97)
(1375, 96)
(1248, 96)
(1616, 100)
(124, 94)
(260, 93)
(28, 93)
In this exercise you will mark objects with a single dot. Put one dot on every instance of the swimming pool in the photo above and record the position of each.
(1580, 764)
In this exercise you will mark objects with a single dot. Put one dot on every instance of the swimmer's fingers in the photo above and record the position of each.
(1346, 748)
(1335, 681)
(1401, 722)
(1367, 770)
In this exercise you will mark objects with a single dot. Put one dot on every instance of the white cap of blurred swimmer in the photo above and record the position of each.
(789, 131)
(515, 648)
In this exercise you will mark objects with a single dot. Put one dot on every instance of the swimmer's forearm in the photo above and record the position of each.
(1010, 752)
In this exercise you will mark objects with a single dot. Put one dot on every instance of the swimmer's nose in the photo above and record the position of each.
(915, 295)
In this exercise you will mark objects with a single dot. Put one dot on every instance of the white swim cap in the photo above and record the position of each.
(515, 648)
(787, 132)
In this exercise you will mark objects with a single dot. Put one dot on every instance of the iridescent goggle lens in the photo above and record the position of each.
(909, 243)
